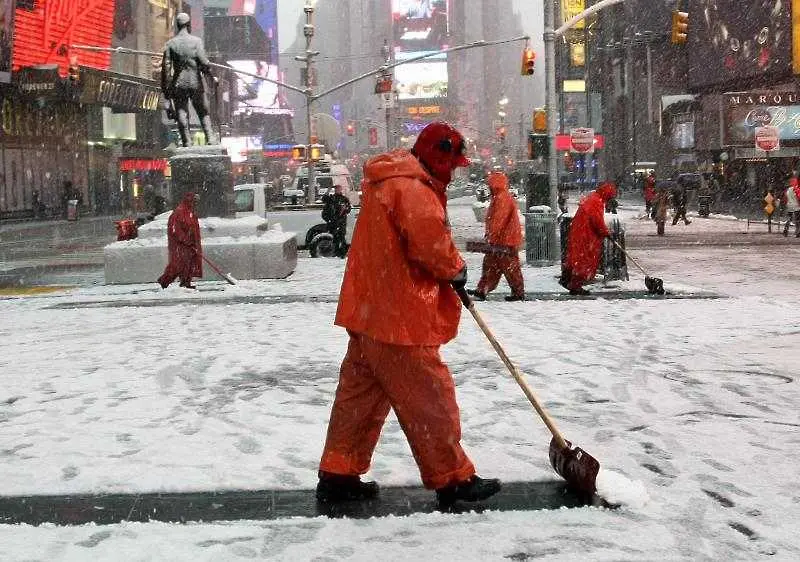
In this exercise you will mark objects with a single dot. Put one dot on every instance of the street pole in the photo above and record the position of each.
(550, 34)
(551, 104)
(308, 58)
(387, 58)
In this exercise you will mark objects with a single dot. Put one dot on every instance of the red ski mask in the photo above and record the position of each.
(440, 148)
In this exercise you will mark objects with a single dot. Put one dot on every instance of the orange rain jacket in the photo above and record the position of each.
(502, 218)
(586, 233)
(396, 287)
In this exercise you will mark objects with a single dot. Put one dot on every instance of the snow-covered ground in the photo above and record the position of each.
(695, 400)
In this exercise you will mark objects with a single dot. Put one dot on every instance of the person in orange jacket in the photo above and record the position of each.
(183, 244)
(585, 239)
(504, 234)
(398, 304)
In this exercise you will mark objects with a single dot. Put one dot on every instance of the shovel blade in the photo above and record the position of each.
(576, 466)
(655, 286)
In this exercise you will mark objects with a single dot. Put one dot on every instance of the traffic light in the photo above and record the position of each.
(351, 129)
(680, 25)
(299, 152)
(74, 72)
(528, 62)
(539, 120)
(538, 146)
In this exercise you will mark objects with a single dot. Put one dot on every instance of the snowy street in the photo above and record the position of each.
(696, 399)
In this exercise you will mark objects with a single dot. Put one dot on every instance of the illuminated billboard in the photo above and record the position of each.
(422, 79)
(739, 44)
(44, 32)
(420, 25)
(239, 147)
(256, 95)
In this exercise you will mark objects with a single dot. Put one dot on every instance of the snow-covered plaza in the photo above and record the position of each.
(133, 389)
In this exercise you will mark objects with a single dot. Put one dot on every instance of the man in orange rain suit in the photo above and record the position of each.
(585, 240)
(183, 243)
(399, 306)
(504, 234)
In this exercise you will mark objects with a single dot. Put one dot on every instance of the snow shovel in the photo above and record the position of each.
(573, 464)
(227, 276)
(655, 286)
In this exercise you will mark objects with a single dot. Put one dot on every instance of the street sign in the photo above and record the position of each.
(387, 100)
(581, 139)
(767, 138)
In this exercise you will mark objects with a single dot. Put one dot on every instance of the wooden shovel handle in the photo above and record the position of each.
(630, 257)
(515, 372)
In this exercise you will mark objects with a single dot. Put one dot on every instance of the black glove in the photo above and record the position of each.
(460, 280)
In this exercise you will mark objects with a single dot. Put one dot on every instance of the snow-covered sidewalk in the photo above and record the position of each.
(697, 400)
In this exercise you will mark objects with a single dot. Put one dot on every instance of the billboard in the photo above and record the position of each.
(43, 32)
(239, 147)
(255, 95)
(748, 111)
(423, 79)
(420, 25)
(734, 42)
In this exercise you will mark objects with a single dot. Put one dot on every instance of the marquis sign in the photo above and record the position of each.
(123, 93)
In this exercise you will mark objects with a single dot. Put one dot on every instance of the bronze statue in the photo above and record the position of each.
(182, 68)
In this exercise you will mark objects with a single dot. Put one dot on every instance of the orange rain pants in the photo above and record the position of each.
(495, 265)
(412, 380)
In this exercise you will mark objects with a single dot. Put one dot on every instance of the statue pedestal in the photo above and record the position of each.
(205, 170)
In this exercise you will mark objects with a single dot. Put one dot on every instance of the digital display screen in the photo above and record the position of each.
(239, 147)
(741, 44)
(420, 25)
(255, 95)
(422, 79)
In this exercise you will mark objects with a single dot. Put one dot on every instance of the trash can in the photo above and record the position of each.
(72, 210)
(613, 263)
(703, 205)
(541, 246)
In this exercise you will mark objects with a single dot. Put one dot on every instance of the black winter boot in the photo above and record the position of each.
(473, 490)
(476, 295)
(513, 298)
(333, 488)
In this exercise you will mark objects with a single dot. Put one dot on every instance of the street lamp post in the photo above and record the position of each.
(308, 58)
(550, 34)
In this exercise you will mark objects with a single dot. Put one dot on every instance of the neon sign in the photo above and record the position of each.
(44, 35)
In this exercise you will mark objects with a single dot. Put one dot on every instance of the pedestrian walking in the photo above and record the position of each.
(791, 200)
(587, 231)
(679, 200)
(649, 192)
(336, 207)
(398, 304)
(661, 206)
(183, 243)
(504, 235)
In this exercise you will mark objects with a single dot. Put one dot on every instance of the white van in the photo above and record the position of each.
(326, 176)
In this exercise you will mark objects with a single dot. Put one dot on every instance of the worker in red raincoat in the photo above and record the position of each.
(585, 239)
(183, 243)
(649, 192)
(504, 234)
(398, 304)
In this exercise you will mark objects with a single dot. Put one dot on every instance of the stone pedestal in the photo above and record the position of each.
(205, 170)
